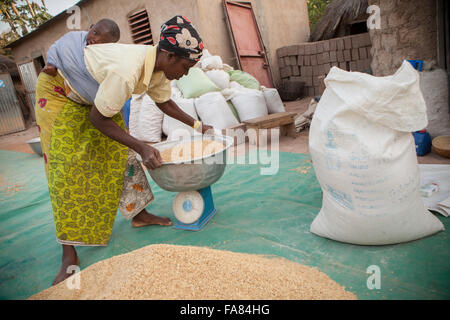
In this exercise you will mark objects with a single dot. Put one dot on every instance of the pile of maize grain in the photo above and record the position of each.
(185, 272)
(191, 150)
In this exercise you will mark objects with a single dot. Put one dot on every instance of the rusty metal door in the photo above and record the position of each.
(247, 41)
(28, 75)
(11, 118)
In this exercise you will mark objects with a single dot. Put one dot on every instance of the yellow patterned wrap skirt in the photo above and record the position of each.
(86, 170)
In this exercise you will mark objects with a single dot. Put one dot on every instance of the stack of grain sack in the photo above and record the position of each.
(211, 92)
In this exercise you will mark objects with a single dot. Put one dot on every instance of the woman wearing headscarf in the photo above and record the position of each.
(90, 159)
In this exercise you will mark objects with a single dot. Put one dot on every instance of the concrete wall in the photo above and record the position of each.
(281, 23)
(408, 31)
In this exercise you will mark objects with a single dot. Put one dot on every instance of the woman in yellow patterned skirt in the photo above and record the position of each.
(89, 157)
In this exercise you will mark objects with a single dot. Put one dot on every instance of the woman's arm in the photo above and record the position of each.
(173, 110)
(150, 156)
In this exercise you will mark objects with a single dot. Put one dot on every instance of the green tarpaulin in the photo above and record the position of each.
(258, 214)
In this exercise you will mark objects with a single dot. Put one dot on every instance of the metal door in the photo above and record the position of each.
(29, 78)
(247, 41)
(11, 118)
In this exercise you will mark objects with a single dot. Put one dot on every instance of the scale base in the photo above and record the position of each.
(197, 225)
(208, 212)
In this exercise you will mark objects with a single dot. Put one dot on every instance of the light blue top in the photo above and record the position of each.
(67, 54)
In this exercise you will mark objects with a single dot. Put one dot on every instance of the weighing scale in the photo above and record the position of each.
(193, 206)
(193, 209)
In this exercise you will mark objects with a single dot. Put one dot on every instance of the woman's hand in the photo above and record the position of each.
(151, 157)
(205, 128)
(50, 70)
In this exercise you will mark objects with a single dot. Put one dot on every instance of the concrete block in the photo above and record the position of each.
(319, 46)
(285, 72)
(316, 81)
(313, 59)
(355, 55)
(333, 44)
(307, 48)
(292, 50)
(281, 52)
(300, 60)
(340, 44)
(355, 42)
(326, 57)
(307, 60)
(362, 53)
(287, 61)
(317, 70)
(333, 56)
(343, 65)
(295, 70)
(360, 65)
(293, 60)
(347, 43)
(307, 71)
(326, 46)
(326, 68)
(320, 58)
(353, 66)
(301, 49)
(340, 56)
(281, 63)
(347, 55)
(313, 48)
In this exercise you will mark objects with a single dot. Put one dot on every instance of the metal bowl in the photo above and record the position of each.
(35, 145)
(193, 174)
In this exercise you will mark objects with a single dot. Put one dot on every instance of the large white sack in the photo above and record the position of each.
(173, 128)
(249, 104)
(233, 89)
(364, 158)
(212, 62)
(273, 100)
(219, 77)
(145, 119)
(213, 110)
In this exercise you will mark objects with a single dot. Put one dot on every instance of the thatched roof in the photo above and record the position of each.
(338, 12)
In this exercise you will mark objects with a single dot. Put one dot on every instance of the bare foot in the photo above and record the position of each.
(144, 218)
(69, 258)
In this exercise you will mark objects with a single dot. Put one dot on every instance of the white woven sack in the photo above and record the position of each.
(213, 110)
(219, 77)
(175, 129)
(145, 119)
(273, 100)
(212, 62)
(249, 104)
(364, 158)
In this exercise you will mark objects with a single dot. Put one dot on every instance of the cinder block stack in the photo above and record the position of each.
(310, 62)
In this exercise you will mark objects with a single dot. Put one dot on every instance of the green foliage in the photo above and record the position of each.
(316, 9)
(21, 19)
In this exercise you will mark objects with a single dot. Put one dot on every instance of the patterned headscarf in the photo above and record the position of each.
(179, 36)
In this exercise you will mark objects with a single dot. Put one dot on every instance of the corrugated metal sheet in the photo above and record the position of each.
(11, 118)
(29, 79)
(29, 76)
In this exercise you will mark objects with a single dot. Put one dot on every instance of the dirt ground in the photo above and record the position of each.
(17, 141)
